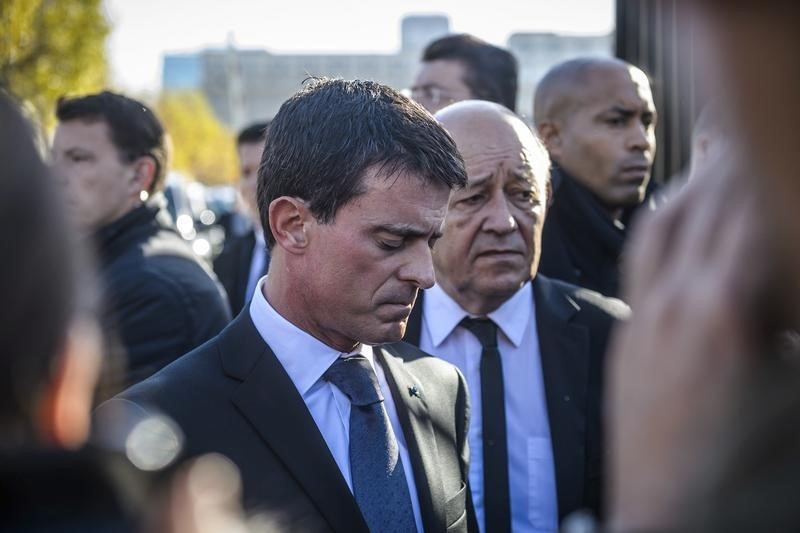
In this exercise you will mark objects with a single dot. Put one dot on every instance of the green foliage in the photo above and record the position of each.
(201, 145)
(49, 48)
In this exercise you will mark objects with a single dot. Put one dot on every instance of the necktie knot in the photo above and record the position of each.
(355, 377)
(484, 329)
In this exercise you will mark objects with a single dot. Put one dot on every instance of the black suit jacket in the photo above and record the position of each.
(232, 267)
(232, 396)
(573, 326)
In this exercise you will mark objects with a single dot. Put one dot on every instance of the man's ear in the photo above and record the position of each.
(144, 172)
(65, 411)
(289, 220)
(550, 134)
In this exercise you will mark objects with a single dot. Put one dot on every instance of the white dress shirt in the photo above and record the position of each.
(531, 471)
(305, 360)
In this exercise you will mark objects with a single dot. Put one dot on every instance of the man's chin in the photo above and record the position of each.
(502, 286)
(390, 331)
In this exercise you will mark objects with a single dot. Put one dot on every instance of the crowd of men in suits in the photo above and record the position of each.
(421, 308)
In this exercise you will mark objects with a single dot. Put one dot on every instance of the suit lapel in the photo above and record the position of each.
(409, 400)
(269, 400)
(564, 348)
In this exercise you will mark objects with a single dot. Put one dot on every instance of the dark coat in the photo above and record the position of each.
(232, 267)
(232, 396)
(160, 301)
(70, 491)
(580, 242)
(573, 326)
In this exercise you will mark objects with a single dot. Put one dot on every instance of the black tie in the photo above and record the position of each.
(379, 481)
(495, 451)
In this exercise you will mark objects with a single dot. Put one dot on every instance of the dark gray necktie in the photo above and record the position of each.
(379, 482)
(495, 451)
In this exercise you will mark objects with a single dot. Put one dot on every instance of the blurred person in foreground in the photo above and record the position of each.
(50, 479)
(159, 300)
(597, 118)
(712, 138)
(532, 349)
(333, 423)
(463, 67)
(705, 409)
(245, 258)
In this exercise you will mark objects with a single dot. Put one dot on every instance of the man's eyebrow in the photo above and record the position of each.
(76, 149)
(406, 230)
(475, 183)
(624, 111)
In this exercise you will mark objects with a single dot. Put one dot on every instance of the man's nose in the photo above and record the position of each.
(419, 268)
(57, 169)
(640, 138)
(497, 216)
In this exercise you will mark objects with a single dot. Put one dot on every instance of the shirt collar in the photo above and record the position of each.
(304, 357)
(442, 314)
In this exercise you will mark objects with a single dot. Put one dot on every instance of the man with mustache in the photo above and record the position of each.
(530, 348)
(332, 428)
(597, 118)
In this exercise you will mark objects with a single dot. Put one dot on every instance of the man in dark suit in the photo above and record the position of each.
(332, 429)
(531, 348)
(597, 118)
(245, 257)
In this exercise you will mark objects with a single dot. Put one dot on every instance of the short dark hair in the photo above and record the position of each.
(491, 72)
(326, 136)
(39, 281)
(135, 129)
(254, 133)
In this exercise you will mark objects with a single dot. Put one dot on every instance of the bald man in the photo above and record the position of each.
(530, 348)
(597, 119)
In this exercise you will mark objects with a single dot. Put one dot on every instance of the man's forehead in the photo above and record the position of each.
(251, 149)
(440, 70)
(79, 130)
(615, 85)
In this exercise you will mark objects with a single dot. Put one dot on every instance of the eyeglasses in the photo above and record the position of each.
(432, 96)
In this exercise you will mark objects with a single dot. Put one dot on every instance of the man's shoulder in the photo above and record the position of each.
(185, 375)
(586, 301)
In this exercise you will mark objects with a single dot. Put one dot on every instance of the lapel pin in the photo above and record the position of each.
(412, 391)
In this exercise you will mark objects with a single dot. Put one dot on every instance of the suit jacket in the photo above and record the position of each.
(573, 326)
(232, 267)
(232, 396)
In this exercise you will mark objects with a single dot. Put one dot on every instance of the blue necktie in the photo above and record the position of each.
(379, 482)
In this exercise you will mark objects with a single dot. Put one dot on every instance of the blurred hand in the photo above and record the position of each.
(696, 275)
(204, 497)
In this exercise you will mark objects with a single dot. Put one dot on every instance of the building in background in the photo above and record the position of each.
(249, 84)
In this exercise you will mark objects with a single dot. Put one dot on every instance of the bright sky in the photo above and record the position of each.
(143, 30)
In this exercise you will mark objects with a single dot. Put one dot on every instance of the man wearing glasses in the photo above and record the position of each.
(463, 67)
